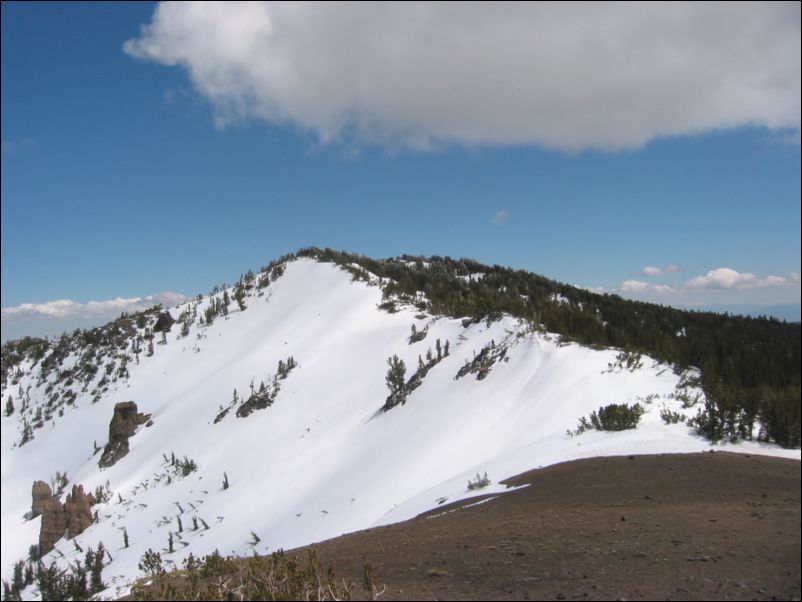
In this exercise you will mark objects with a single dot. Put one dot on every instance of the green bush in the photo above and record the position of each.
(479, 482)
(670, 417)
(612, 417)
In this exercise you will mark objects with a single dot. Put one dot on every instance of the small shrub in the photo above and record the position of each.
(59, 483)
(479, 482)
(151, 563)
(274, 577)
(612, 417)
(670, 417)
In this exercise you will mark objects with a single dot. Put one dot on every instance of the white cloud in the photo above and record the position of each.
(561, 75)
(727, 278)
(651, 270)
(637, 286)
(67, 309)
(500, 217)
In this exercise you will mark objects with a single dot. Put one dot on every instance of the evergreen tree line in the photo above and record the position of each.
(750, 366)
(80, 581)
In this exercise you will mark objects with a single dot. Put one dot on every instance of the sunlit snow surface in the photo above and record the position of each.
(322, 460)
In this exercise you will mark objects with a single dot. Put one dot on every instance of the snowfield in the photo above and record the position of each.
(323, 460)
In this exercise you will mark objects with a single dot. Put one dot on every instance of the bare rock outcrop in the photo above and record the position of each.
(53, 516)
(123, 424)
(74, 516)
(41, 493)
(77, 509)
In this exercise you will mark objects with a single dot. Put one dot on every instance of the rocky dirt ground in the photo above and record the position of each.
(712, 526)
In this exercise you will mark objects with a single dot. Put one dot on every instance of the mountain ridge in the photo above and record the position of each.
(320, 451)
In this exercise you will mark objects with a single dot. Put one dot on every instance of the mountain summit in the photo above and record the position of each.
(330, 393)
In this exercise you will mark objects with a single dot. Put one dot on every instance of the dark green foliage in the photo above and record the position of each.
(239, 296)
(102, 493)
(483, 362)
(125, 537)
(780, 414)
(81, 581)
(418, 335)
(670, 417)
(395, 374)
(164, 322)
(612, 417)
(52, 582)
(186, 466)
(388, 306)
(33, 553)
(59, 482)
(479, 482)
(151, 563)
(264, 396)
(9, 406)
(399, 396)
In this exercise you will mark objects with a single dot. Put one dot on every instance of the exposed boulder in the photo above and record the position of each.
(53, 523)
(77, 510)
(75, 515)
(40, 494)
(123, 424)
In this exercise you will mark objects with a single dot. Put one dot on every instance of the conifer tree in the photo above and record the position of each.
(395, 374)
(239, 296)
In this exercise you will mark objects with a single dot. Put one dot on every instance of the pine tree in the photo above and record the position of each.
(125, 537)
(10, 406)
(396, 374)
(239, 296)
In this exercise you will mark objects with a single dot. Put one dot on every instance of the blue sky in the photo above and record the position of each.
(173, 164)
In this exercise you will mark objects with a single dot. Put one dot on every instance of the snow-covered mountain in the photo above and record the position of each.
(304, 448)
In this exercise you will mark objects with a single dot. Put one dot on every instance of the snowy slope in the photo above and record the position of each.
(322, 460)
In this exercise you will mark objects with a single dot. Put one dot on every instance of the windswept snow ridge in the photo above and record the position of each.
(321, 459)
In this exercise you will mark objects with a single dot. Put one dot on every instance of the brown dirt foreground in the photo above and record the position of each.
(711, 526)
